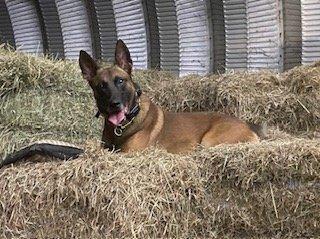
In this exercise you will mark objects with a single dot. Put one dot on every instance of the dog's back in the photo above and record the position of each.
(183, 131)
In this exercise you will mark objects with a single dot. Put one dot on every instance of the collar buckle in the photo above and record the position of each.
(118, 131)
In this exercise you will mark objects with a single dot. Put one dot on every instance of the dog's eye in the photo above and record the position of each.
(103, 86)
(119, 81)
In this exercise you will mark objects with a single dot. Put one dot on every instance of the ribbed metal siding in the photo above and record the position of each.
(52, 27)
(310, 31)
(236, 34)
(93, 25)
(6, 31)
(25, 24)
(75, 27)
(292, 33)
(194, 42)
(263, 34)
(107, 28)
(168, 35)
(153, 33)
(218, 34)
(131, 28)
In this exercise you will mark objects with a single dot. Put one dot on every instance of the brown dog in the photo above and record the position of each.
(133, 122)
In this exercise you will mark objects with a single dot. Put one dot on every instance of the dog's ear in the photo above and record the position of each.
(122, 57)
(88, 66)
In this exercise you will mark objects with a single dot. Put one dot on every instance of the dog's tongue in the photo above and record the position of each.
(117, 118)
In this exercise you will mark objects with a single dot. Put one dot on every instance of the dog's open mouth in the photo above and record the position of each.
(117, 118)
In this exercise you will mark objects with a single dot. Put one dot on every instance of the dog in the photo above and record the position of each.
(133, 122)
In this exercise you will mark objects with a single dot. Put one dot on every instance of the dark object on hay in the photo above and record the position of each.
(56, 149)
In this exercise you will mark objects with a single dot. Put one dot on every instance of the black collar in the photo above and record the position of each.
(133, 112)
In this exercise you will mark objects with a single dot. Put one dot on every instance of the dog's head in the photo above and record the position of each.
(114, 91)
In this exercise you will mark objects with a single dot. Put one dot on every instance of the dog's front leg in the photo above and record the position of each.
(107, 145)
(108, 138)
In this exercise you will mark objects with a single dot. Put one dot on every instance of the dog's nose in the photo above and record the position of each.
(115, 104)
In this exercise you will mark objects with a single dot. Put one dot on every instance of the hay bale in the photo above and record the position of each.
(263, 97)
(264, 189)
(19, 71)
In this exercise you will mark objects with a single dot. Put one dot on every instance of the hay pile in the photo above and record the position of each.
(290, 100)
(269, 189)
(246, 190)
(41, 99)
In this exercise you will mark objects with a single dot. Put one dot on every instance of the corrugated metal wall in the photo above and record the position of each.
(182, 36)
(194, 42)
(235, 16)
(52, 28)
(6, 31)
(26, 26)
(274, 34)
(75, 27)
(153, 32)
(168, 35)
(131, 28)
(94, 28)
(216, 15)
(292, 33)
(310, 31)
(107, 28)
(263, 34)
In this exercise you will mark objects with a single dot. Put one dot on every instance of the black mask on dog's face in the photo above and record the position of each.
(115, 92)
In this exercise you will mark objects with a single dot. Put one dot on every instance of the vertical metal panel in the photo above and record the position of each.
(75, 27)
(194, 42)
(168, 35)
(26, 27)
(292, 33)
(153, 33)
(310, 31)
(94, 27)
(131, 28)
(236, 34)
(6, 31)
(52, 27)
(216, 15)
(106, 28)
(263, 34)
